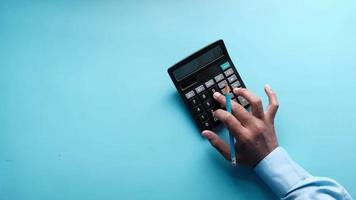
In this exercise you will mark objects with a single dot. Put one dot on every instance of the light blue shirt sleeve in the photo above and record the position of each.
(290, 181)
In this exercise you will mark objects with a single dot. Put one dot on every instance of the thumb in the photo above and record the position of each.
(218, 143)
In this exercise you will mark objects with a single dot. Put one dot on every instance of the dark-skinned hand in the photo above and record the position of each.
(254, 131)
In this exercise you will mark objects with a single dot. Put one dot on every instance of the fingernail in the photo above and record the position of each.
(207, 134)
(268, 87)
(236, 90)
(216, 95)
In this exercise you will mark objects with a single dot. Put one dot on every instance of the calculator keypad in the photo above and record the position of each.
(207, 124)
(200, 89)
(209, 83)
(213, 90)
(202, 102)
(208, 104)
(190, 94)
(236, 84)
(242, 101)
(219, 77)
(199, 109)
(193, 102)
(222, 84)
(229, 72)
(204, 96)
(203, 117)
(232, 78)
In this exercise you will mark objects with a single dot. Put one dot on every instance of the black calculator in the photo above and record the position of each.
(201, 74)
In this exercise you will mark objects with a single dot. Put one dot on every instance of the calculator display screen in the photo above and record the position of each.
(198, 63)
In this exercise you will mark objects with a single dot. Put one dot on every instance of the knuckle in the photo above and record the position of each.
(229, 120)
(249, 138)
(275, 104)
(259, 101)
(214, 142)
(226, 154)
(260, 127)
(256, 102)
(221, 100)
(218, 114)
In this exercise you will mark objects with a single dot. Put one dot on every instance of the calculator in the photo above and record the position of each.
(199, 75)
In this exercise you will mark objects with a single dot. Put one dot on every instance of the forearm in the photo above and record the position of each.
(288, 180)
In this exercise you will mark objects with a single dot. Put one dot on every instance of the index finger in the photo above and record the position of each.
(230, 122)
(239, 111)
(218, 143)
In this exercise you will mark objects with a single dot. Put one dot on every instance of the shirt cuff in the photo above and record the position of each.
(280, 172)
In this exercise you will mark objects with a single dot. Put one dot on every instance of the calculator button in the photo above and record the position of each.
(232, 78)
(203, 117)
(210, 111)
(225, 65)
(204, 96)
(210, 114)
(200, 89)
(222, 84)
(236, 84)
(215, 119)
(243, 101)
(198, 109)
(208, 104)
(213, 90)
(219, 77)
(209, 83)
(206, 125)
(190, 94)
(228, 72)
(194, 102)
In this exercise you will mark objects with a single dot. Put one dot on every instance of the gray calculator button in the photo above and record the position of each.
(219, 77)
(222, 84)
(190, 94)
(200, 89)
(242, 101)
(204, 96)
(198, 109)
(232, 78)
(207, 124)
(228, 72)
(236, 84)
(209, 83)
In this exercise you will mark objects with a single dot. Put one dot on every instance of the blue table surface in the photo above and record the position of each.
(88, 111)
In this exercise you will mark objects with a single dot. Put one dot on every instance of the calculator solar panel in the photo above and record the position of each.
(201, 74)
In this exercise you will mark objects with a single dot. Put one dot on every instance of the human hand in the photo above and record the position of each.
(254, 132)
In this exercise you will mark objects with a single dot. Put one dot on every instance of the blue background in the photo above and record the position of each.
(88, 111)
